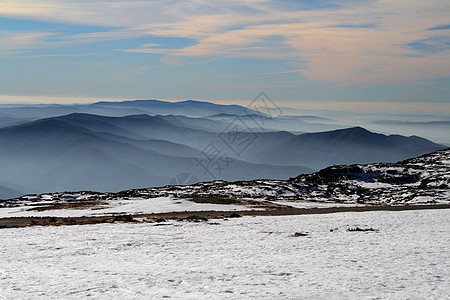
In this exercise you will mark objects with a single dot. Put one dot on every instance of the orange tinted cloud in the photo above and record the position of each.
(362, 42)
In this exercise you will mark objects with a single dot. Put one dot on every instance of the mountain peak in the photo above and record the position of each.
(354, 129)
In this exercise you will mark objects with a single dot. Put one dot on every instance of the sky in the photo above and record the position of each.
(377, 52)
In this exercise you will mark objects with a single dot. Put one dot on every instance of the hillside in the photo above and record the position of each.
(417, 181)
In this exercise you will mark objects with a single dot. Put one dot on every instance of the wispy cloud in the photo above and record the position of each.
(5, 98)
(441, 27)
(262, 74)
(141, 70)
(370, 25)
(56, 55)
(348, 43)
(12, 42)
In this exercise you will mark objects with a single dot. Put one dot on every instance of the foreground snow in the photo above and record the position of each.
(249, 257)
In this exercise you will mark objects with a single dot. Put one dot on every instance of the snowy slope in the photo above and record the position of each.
(425, 179)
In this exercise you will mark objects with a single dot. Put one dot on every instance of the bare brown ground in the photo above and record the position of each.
(71, 204)
(197, 216)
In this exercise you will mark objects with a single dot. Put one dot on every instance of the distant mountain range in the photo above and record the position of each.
(345, 146)
(80, 151)
(434, 130)
(408, 123)
(189, 108)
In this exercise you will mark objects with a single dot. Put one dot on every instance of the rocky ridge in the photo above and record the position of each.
(420, 180)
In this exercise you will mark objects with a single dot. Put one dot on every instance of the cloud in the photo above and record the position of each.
(11, 41)
(55, 55)
(441, 27)
(431, 45)
(370, 25)
(345, 42)
(262, 74)
(141, 70)
(100, 13)
(150, 45)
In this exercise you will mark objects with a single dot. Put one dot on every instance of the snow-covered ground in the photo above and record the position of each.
(122, 206)
(250, 257)
(147, 206)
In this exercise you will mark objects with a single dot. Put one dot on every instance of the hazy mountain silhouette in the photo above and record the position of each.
(295, 124)
(160, 146)
(437, 131)
(403, 124)
(8, 193)
(124, 108)
(409, 123)
(54, 154)
(204, 124)
(84, 151)
(8, 121)
(186, 108)
(168, 128)
(345, 146)
(142, 127)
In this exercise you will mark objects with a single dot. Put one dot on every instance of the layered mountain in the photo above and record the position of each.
(437, 130)
(294, 124)
(152, 107)
(87, 152)
(84, 151)
(314, 150)
(345, 146)
(186, 108)
(430, 127)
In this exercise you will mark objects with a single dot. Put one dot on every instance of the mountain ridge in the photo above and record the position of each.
(362, 146)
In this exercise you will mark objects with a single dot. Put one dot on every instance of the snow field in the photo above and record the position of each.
(249, 257)
(122, 206)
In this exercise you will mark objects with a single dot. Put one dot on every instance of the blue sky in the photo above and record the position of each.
(225, 51)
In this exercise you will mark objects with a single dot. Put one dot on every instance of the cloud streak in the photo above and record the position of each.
(262, 74)
(56, 55)
(353, 43)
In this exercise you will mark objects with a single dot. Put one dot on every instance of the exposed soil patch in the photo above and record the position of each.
(69, 204)
(216, 200)
(16, 222)
(236, 201)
